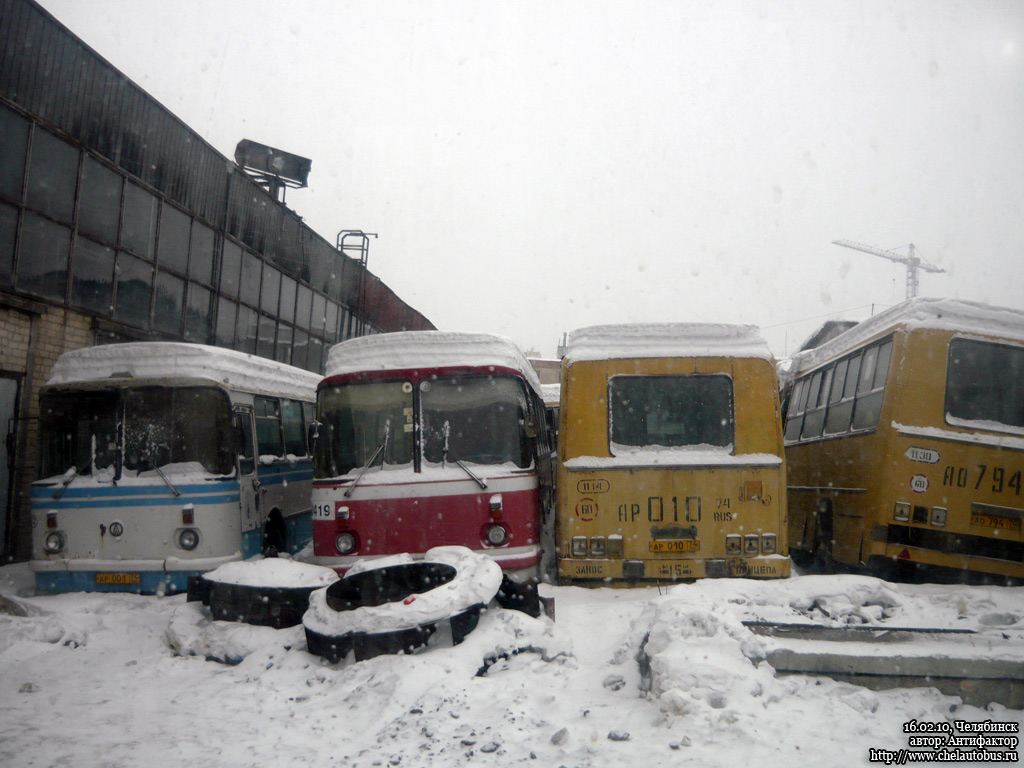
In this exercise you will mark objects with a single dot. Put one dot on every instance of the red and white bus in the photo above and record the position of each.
(426, 439)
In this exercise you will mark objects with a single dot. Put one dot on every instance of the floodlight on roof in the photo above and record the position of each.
(273, 169)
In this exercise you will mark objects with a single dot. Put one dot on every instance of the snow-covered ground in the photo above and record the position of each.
(641, 677)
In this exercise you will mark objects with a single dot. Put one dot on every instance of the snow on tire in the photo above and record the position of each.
(395, 604)
(266, 592)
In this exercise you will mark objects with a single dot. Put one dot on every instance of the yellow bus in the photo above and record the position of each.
(905, 444)
(671, 461)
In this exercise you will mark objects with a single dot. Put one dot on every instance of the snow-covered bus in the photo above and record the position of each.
(670, 455)
(430, 438)
(161, 460)
(905, 444)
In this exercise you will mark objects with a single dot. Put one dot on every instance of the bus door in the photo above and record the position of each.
(248, 482)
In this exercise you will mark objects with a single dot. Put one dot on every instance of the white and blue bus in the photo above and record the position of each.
(161, 460)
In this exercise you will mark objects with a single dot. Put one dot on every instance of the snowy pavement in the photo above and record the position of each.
(644, 677)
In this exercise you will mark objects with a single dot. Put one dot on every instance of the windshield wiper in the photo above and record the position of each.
(64, 487)
(152, 457)
(380, 449)
(444, 457)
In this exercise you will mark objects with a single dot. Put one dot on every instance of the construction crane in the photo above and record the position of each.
(912, 261)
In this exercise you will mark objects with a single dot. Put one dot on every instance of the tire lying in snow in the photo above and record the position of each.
(270, 593)
(396, 604)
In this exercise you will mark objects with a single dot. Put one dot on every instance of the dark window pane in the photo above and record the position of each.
(867, 410)
(92, 283)
(300, 349)
(882, 366)
(288, 287)
(271, 288)
(314, 362)
(867, 370)
(52, 173)
(197, 314)
(14, 129)
(8, 230)
(265, 342)
(284, 344)
(316, 322)
(839, 417)
(175, 227)
(43, 257)
(293, 427)
(226, 313)
(170, 303)
(985, 383)
(230, 268)
(245, 330)
(200, 265)
(268, 427)
(304, 307)
(99, 207)
(134, 287)
(251, 277)
(331, 325)
(670, 411)
(138, 232)
(839, 381)
(851, 377)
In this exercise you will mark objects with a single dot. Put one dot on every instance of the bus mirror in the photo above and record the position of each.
(531, 428)
(312, 435)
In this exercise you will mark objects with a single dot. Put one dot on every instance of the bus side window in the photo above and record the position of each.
(795, 416)
(840, 407)
(871, 389)
(293, 427)
(246, 460)
(814, 419)
(268, 426)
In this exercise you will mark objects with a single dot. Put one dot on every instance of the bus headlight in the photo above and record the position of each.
(188, 539)
(496, 535)
(750, 544)
(53, 543)
(938, 516)
(768, 544)
(597, 546)
(733, 544)
(902, 512)
(345, 543)
(614, 547)
(579, 546)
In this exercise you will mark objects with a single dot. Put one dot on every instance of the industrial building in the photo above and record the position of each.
(118, 222)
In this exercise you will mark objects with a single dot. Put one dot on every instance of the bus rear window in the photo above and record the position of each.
(985, 383)
(691, 411)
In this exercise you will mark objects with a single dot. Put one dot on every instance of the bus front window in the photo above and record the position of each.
(691, 411)
(78, 432)
(362, 425)
(476, 419)
(985, 385)
(183, 425)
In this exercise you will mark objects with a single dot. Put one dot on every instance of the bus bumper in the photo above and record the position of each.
(612, 571)
(138, 576)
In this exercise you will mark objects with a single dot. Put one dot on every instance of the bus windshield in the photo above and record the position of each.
(364, 425)
(985, 385)
(81, 431)
(78, 433)
(688, 411)
(174, 425)
(476, 419)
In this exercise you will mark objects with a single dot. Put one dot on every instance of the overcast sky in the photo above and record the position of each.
(536, 167)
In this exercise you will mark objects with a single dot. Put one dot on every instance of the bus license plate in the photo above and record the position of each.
(118, 578)
(675, 545)
(1000, 523)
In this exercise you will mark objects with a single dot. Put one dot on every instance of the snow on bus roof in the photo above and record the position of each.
(602, 342)
(941, 314)
(163, 359)
(408, 350)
